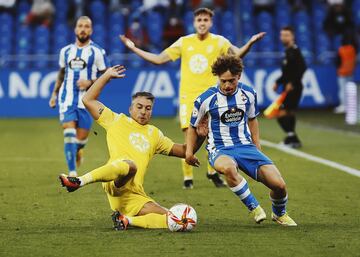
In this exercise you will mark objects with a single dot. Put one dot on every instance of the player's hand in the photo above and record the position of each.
(52, 101)
(257, 37)
(192, 160)
(203, 128)
(275, 87)
(289, 87)
(83, 84)
(129, 44)
(115, 72)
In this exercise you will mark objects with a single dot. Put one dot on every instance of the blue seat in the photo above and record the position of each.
(116, 18)
(6, 22)
(155, 27)
(356, 11)
(282, 18)
(188, 22)
(98, 12)
(22, 10)
(23, 40)
(322, 43)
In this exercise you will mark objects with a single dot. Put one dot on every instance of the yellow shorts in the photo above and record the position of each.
(186, 106)
(125, 201)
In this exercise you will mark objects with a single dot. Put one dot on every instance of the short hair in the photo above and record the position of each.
(147, 95)
(203, 10)
(226, 63)
(83, 18)
(289, 28)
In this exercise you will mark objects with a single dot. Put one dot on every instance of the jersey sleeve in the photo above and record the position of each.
(198, 112)
(164, 144)
(253, 110)
(107, 118)
(174, 51)
(62, 58)
(224, 45)
(101, 60)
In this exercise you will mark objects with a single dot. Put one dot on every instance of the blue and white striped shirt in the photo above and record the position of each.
(228, 116)
(79, 63)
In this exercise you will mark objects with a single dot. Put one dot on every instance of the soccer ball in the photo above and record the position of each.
(181, 217)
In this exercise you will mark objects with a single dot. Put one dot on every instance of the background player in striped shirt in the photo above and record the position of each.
(197, 52)
(79, 64)
(233, 139)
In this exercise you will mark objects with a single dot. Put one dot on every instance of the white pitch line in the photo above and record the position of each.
(311, 157)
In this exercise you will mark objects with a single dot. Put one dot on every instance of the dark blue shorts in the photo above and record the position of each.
(247, 157)
(81, 116)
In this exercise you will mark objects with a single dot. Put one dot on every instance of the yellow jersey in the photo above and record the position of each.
(197, 56)
(129, 140)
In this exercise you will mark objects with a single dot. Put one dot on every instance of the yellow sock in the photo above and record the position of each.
(187, 170)
(106, 173)
(151, 220)
(210, 169)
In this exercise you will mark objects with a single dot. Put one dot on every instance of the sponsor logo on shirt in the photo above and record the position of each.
(139, 142)
(77, 64)
(198, 64)
(232, 117)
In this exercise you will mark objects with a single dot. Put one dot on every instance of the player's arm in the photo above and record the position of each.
(242, 51)
(179, 150)
(90, 98)
(157, 59)
(191, 139)
(58, 83)
(255, 134)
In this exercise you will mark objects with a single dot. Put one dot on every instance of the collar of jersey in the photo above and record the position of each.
(239, 87)
(134, 122)
(82, 47)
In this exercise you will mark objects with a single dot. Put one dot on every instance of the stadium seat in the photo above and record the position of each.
(23, 8)
(98, 12)
(155, 27)
(23, 40)
(356, 11)
(6, 23)
(188, 22)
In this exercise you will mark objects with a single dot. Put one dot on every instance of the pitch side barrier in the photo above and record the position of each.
(26, 93)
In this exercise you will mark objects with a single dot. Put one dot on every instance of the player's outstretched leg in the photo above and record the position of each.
(109, 172)
(270, 176)
(227, 166)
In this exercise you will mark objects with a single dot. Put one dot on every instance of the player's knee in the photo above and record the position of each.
(280, 186)
(229, 170)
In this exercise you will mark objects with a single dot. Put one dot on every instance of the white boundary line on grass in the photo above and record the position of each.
(311, 157)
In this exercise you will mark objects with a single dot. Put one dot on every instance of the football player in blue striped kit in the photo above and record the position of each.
(80, 64)
(233, 139)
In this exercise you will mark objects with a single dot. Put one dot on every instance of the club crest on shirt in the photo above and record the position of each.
(198, 64)
(194, 113)
(232, 117)
(139, 142)
(77, 64)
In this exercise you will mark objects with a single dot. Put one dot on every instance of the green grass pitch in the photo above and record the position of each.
(38, 218)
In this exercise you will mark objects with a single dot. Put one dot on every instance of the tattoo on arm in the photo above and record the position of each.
(101, 109)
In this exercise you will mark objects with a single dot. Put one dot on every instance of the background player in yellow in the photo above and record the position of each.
(132, 143)
(198, 52)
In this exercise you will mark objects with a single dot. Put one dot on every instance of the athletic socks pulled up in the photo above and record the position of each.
(243, 192)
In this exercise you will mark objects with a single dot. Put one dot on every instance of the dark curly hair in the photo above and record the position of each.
(226, 63)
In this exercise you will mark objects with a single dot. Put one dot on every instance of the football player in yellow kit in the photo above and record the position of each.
(132, 143)
(198, 52)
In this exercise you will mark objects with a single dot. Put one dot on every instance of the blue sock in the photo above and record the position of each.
(70, 148)
(243, 192)
(279, 206)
